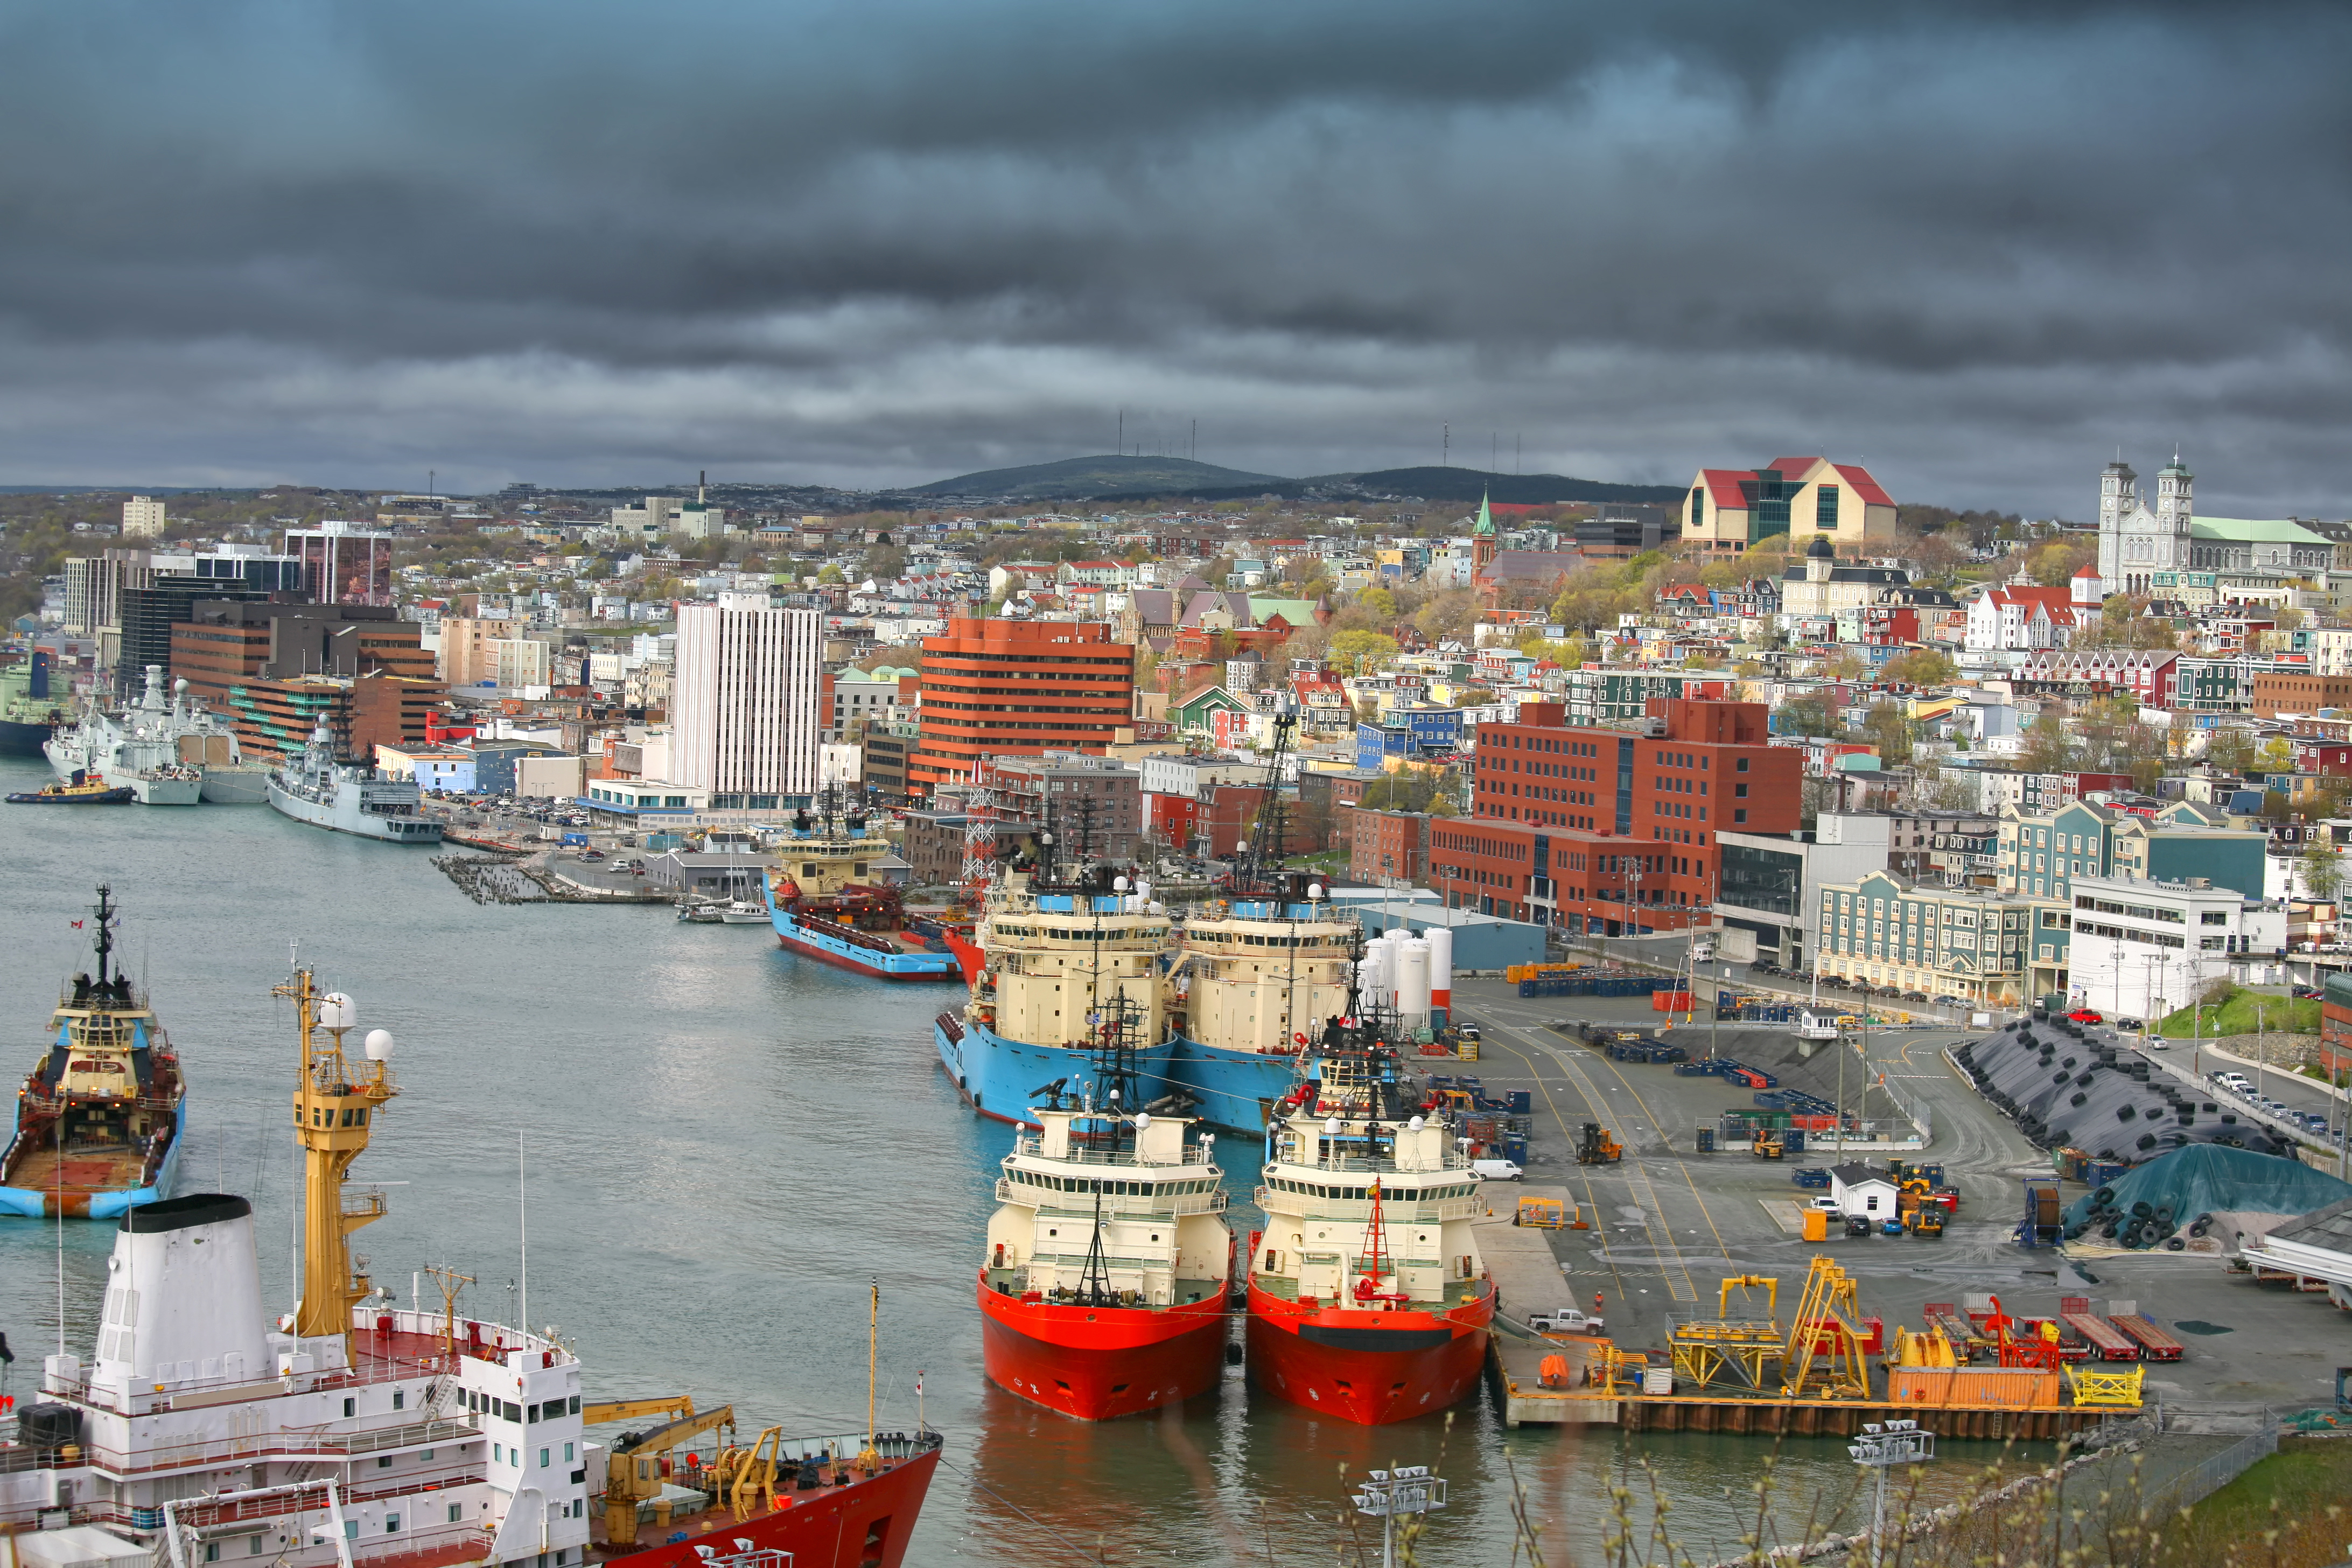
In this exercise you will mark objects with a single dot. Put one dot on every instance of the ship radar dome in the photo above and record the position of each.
(1415, 1124)
(1331, 1128)
(1142, 1120)
(379, 1045)
(336, 1011)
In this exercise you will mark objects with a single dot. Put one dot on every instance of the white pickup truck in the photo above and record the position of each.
(1565, 1321)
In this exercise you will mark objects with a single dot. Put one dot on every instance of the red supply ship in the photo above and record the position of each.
(823, 906)
(1367, 1296)
(1108, 1257)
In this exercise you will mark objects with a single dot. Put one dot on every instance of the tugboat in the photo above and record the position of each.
(81, 789)
(96, 1129)
(1367, 1298)
(351, 1433)
(1134, 1318)
(315, 787)
(822, 906)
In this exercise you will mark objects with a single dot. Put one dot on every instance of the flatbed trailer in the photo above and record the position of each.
(2100, 1336)
(2155, 1343)
(1967, 1339)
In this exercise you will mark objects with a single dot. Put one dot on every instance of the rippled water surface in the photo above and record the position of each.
(724, 1145)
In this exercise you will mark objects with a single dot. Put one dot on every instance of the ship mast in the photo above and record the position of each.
(105, 913)
(332, 1111)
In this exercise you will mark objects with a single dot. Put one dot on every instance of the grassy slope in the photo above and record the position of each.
(2279, 1016)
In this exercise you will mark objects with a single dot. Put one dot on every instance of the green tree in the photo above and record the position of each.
(1886, 727)
(2277, 755)
(1922, 666)
(1807, 716)
(2321, 868)
(1357, 649)
(2049, 745)
(2232, 750)
(1379, 602)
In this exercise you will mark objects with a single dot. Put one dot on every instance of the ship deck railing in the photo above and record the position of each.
(287, 1443)
(1393, 1207)
(1128, 1205)
(1368, 1165)
(1034, 1143)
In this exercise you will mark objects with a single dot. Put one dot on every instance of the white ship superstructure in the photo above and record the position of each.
(173, 752)
(314, 786)
(201, 1431)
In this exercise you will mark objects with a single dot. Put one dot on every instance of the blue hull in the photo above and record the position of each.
(999, 1076)
(30, 1204)
(828, 948)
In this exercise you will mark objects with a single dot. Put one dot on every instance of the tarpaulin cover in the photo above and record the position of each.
(2207, 1177)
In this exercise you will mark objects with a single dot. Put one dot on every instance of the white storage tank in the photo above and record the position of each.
(1413, 983)
(1441, 968)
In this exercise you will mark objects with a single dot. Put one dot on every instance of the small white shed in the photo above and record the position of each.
(1862, 1189)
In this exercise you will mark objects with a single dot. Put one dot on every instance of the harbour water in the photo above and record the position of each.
(721, 1145)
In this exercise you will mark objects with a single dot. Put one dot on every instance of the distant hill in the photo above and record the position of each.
(1075, 478)
(1521, 489)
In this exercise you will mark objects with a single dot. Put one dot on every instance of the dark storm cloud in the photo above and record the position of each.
(860, 242)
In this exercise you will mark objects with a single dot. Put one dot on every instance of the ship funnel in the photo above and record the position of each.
(183, 1298)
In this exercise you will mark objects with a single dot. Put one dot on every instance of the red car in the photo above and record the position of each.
(2085, 1015)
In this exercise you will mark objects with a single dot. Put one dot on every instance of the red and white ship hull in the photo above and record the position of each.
(1098, 1363)
(1369, 1367)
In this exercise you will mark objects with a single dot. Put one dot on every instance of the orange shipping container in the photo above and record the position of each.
(1984, 1387)
(1670, 1001)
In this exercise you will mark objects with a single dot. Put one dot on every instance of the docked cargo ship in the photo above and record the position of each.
(1367, 1298)
(353, 1433)
(29, 714)
(1108, 1258)
(314, 786)
(822, 905)
(95, 1130)
(1051, 959)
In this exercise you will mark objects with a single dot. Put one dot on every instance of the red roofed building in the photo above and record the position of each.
(2021, 617)
(1731, 508)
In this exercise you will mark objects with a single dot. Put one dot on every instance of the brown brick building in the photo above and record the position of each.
(272, 669)
(1613, 831)
(1389, 843)
(2275, 694)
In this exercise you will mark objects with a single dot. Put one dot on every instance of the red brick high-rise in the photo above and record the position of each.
(1018, 687)
(1613, 831)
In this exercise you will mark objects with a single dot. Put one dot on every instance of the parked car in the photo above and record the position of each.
(2307, 993)
(1920, 996)
(2085, 1015)
(2132, 1026)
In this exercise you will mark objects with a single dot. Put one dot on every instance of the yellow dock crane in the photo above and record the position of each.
(1736, 1350)
(1827, 1310)
(633, 1471)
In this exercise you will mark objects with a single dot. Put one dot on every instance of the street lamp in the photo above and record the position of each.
(1881, 1447)
(1408, 1489)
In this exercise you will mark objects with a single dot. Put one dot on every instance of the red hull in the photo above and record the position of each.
(1371, 1368)
(863, 1525)
(1099, 1363)
(810, 950)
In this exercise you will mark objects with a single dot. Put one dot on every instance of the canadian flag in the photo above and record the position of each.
(77, 925)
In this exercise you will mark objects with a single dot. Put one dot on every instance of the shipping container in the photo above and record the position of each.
(1979, 1387)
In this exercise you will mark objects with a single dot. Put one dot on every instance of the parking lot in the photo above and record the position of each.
(1668, 1224)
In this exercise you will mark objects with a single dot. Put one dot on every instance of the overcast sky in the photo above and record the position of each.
(1976, 247)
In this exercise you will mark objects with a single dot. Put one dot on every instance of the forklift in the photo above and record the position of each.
(1598, 1147)
(1767, 1144)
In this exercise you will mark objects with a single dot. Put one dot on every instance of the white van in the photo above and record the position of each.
(1496, 1170)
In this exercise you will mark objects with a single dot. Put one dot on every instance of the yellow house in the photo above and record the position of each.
(1730, 509)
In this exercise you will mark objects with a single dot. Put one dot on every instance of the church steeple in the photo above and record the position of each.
(2175, 492)
(1482, 536)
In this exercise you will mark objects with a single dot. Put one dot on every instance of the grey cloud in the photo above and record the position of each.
(883, 241)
